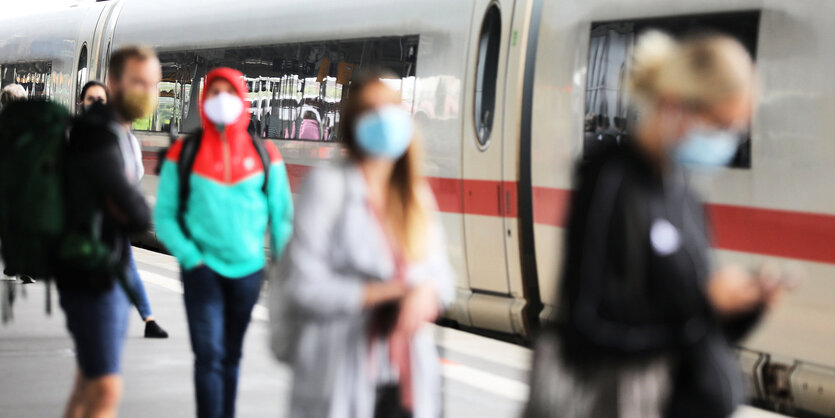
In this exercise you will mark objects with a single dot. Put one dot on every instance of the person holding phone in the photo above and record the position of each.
(365, 271)
(646, 321)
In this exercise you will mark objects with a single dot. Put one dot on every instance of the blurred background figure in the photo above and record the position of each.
(219, 189)
(646, 323)
(620, 133)
(310, 127)
(8, 94)
(11, 93)
(103, 172)
(367, 267)
(96, 92)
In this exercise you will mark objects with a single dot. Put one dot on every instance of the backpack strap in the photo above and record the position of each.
(161, 154)
(185, 164)
(265, 159)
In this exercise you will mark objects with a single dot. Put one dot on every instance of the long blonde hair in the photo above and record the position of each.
(406, 209)
(699, 71)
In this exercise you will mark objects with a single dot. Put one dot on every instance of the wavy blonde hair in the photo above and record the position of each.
(699, 70)
(406, 208)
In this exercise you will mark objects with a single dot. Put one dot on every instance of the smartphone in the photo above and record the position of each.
(792, 276)
(788, 276)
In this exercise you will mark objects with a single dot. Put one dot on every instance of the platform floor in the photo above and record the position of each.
(482, 377)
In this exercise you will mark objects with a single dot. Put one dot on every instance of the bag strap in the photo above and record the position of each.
(185, 164)
(265, 158)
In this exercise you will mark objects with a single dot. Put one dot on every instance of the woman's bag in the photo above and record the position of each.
(387, 403)
(284, 327)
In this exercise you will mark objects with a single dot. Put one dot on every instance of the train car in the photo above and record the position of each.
(507, 95)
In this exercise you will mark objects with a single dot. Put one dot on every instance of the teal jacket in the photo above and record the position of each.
(227, 212)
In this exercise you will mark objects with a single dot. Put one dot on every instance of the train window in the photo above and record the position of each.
(609, 115)
(35, 77)
(178, 72)
(81, 73)
(486, 72)
(294, 89)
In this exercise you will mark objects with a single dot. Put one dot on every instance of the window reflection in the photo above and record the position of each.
(174, 95)
(486, 73)
(294, 90)
(35, 77)
(609, 115)
(81, 72)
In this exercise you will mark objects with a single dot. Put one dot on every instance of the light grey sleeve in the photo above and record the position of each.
(436, 266)
(442, 272)
(314, 288)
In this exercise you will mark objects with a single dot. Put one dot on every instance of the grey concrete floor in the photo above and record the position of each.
(37, 362)
(482, 377)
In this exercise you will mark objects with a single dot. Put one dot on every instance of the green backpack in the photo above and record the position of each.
(33, 136)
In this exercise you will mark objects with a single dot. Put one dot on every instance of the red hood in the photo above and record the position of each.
(236, 78)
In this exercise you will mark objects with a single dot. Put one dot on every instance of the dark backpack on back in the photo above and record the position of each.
(33, 138)
(185, 164)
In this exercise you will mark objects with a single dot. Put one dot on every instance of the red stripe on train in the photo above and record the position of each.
(781, 233)
(550, 206)
(149, 161)
(801, 235)
(483, 196)
(295, 174)
(480, 197)
(807, 236)
(790, 234)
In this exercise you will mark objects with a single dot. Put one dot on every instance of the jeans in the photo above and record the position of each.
(138, 289)
(218, 310)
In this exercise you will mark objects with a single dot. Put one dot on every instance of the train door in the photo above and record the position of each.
(102, 41)
(483, 188)
(84, 41)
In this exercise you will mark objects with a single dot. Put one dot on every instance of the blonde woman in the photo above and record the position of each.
(646, 323)
(365, 270)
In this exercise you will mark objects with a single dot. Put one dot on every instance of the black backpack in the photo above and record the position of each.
(37, 238)
(185, 164)
(33, 140)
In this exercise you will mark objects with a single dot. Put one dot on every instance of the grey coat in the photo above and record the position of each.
(336, 248)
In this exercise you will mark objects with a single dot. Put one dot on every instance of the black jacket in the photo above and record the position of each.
(634, 278)
(98, 192)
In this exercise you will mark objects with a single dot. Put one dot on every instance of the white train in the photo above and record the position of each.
(507, 94)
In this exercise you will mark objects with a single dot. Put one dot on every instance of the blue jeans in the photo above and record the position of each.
(218, 310)
(138, 289)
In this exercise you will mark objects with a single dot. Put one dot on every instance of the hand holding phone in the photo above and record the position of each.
(774, 280)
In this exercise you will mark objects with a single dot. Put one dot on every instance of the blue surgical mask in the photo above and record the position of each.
(707, 148)
(385, 132)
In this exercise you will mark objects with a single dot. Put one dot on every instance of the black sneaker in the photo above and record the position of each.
(153, 330)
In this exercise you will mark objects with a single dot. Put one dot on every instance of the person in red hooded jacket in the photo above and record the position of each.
(217, 233)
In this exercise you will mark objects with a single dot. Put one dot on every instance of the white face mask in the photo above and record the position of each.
(223, 109)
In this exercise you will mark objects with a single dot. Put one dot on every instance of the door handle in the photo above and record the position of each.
(499, 198)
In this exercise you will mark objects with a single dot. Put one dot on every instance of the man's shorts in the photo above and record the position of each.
(98, 323)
